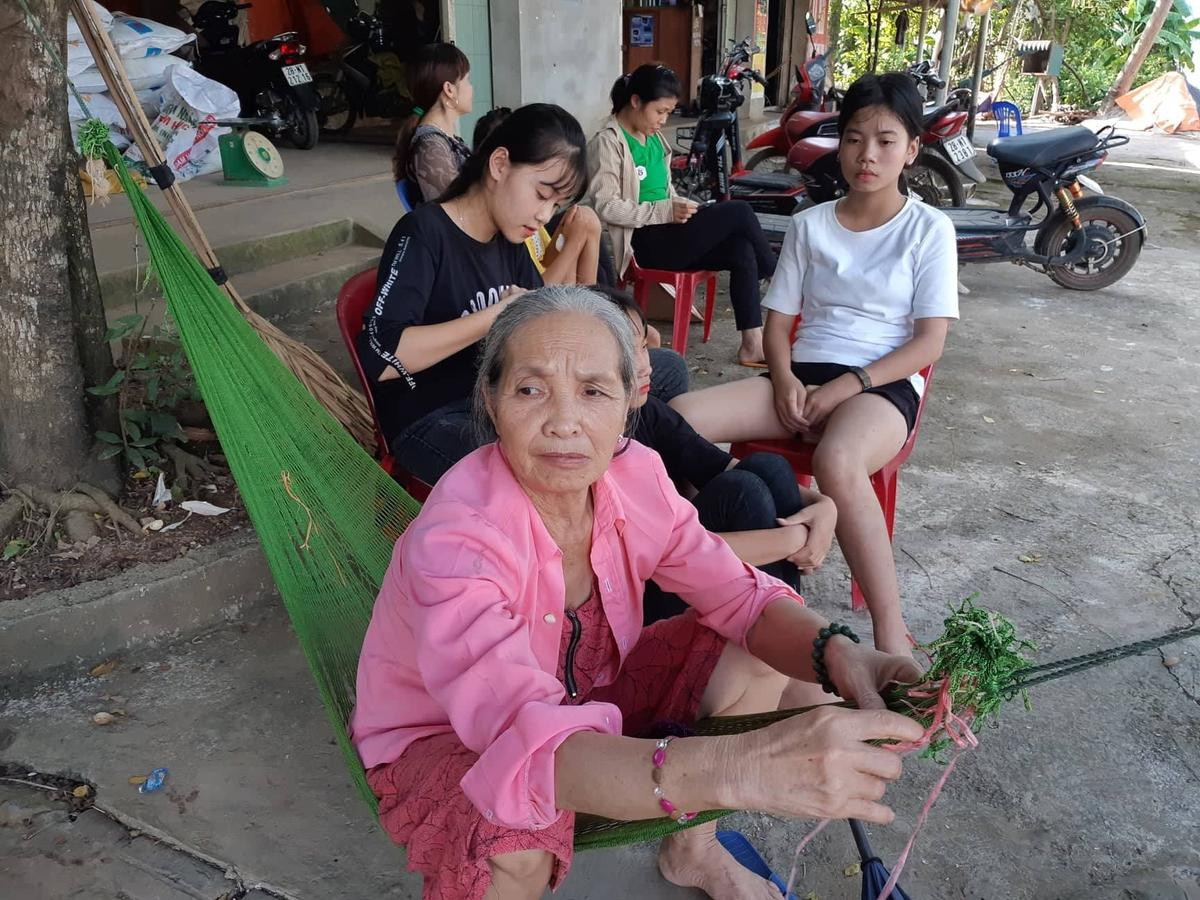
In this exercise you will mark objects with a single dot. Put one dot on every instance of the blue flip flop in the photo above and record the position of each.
(743, 851)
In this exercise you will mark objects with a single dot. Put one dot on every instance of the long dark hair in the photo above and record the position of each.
(894, 91)
(532, 135)
(432, 67)
(488, 123)
(648, 83)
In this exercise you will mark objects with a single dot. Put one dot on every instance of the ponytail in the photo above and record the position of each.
(433, 66)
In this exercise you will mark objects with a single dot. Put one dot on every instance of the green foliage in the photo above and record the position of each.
(1101, 36)
(154, 380)
(980, 657)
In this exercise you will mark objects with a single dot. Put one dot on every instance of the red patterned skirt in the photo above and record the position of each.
(422, 807)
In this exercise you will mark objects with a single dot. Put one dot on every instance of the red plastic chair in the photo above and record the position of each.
(352, 302)
(685, 285)
(885, 481)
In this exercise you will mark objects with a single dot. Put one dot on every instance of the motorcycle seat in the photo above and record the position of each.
(1040, 148)
(766, 181)
(802, 120)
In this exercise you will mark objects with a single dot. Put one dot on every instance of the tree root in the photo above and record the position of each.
(187, 466)
(11, 511)
(87, 499)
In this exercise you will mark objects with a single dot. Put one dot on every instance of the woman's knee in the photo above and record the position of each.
(777, 474)
(736, 501)
(837, 465)
(524, 874)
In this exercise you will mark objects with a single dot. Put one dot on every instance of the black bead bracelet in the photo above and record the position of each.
(818, 654)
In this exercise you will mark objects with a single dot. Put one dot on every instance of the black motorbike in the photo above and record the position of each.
(1082, 241)
(270, 77)
(359, 86)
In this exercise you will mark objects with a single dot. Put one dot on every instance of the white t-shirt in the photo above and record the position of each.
(858, 292)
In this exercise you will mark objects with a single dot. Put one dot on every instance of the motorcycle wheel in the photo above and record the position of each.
(1113, 247)
(336, 114)
(935, 181)
(768, 159)
(302, 128)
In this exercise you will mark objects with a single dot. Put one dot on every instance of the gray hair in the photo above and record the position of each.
(545, 301)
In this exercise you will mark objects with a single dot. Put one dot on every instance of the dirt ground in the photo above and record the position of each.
(1055, 475)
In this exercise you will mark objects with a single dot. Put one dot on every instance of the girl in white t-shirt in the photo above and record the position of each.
(873, 280)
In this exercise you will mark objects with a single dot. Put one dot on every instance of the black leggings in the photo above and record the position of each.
(723, 237)
(748, 497)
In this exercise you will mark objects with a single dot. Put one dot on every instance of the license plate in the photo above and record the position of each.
(297, 74)
(960, 149)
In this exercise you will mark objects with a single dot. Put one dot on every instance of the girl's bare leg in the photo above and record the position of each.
(861, 435)
(524, 875)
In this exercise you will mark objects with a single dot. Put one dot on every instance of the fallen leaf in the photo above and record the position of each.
(851, 871)
(103, 669)
(203, 508)
(137, 779)
(103, 718)
(140, 474)
(82, 791)
(1030, 558)
(134, 833)
(989, 420)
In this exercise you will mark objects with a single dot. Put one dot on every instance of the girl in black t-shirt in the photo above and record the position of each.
(448, 269)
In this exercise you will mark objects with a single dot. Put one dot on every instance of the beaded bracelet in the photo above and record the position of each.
(660, 757)
(818, 655)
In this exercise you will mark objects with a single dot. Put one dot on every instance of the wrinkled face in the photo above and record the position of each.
(874, 150)
(642, 360)
(652, 116)
(462, 94)
(559, 408)
(523, 198)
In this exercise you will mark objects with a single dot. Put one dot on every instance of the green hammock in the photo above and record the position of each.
(326, 514)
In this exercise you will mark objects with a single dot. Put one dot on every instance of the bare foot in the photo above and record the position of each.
(691, 859)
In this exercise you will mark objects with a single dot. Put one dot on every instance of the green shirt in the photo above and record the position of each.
(650, 165)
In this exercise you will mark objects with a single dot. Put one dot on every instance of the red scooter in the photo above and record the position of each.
(810, 113)
(945, 163)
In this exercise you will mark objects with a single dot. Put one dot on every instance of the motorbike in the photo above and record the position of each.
(944, 173)
(711, 168)
(356, 88)
(270, 77)
(1082, 241)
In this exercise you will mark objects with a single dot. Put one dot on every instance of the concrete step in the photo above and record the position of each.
(294, 288)
(244, 254)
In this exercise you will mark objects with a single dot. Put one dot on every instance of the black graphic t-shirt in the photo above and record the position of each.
(432, 272)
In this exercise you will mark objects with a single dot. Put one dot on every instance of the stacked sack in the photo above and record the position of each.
(180, 103)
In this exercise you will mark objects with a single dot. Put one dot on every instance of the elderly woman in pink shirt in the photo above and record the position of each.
(506, 682)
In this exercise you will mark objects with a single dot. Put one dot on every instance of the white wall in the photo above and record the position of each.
(557, 51)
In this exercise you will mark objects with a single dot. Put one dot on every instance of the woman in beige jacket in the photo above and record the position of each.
(629, 168)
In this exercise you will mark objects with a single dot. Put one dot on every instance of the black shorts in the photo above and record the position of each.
(901, 394)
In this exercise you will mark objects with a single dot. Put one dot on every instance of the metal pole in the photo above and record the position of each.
(922, 30)
(949, 32)
(977, 75)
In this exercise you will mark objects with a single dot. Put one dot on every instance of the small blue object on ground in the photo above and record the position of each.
(874, 873)
(153, 782)
(743, 851)
(1008, 118)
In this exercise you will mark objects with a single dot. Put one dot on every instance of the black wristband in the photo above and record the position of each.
(818, 654)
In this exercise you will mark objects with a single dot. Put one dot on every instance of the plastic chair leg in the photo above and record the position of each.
(710, 301)
(684, 293)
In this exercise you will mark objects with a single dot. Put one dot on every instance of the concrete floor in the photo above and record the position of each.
(1061, 424)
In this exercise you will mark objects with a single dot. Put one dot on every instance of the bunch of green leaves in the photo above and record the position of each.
(980, 655)
(150, 386)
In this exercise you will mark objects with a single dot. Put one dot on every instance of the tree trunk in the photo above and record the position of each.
(51, 318)
(835, 31)
(1133, 65)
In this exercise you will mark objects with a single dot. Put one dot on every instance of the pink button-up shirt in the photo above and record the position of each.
(465, 632)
